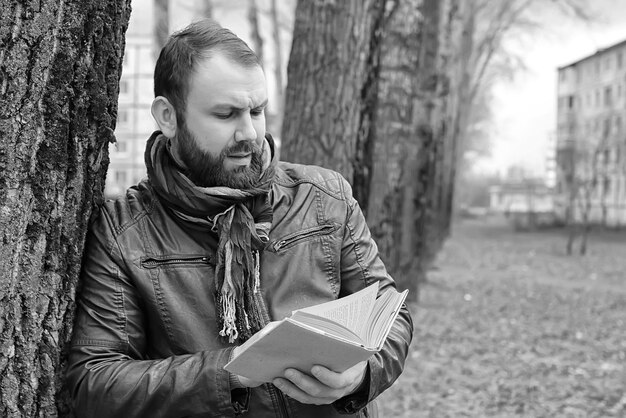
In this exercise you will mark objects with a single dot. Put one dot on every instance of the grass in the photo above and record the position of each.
(510, 326)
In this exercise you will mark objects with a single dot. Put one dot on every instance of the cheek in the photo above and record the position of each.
(212, 138)
(259, 127)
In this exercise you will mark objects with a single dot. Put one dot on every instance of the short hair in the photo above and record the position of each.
(178, 58)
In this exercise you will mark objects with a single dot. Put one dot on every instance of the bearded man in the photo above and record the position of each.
(218, 241)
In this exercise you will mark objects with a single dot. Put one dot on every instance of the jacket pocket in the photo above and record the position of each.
(153, 262)
(296, 237)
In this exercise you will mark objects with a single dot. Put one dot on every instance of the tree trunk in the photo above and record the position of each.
(414, 156)
(255, 30)
(279, 106)
(161, 24)
(368, 95)
(332, 72)
(60, 63)
(206, 8)
(397, 201)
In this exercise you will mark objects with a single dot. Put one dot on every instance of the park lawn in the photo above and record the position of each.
(508, 325)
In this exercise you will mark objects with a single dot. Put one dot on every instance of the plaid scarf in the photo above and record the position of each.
(242, 220)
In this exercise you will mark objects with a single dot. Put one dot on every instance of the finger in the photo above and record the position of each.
(328, 377)
(308, 384)
(339, 380)
(294, 392)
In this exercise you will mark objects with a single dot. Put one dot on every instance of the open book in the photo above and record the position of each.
(336, 334)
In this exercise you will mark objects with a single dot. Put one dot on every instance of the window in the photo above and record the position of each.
(608, 99)
(620, 59)
(121, 146)
(570, 102)
(120, 177)
(607, 128)
(123, 86)
(607, 185)
(122, 116)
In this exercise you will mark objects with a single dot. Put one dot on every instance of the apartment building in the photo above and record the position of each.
(134, 122)
(591, 137)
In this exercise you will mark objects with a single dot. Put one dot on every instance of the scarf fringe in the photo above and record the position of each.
(229, 316)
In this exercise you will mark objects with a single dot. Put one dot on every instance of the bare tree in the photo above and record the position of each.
(60, 63)
(488, 25)
(581, 165)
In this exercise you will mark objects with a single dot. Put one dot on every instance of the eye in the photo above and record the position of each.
(224, 115)
(257, 111)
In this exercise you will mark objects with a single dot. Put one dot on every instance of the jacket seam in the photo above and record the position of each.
(119, 295)
(334, 194)
(89, 342)
(122, 307)
(120, 228)
(324, 239)
(358, 255)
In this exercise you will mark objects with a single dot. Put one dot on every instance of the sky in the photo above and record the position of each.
(525, 108)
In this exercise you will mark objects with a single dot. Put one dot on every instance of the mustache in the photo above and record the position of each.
(243, 147)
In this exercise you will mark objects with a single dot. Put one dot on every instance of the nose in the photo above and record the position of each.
(245, 130)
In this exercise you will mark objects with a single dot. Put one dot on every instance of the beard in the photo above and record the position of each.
(206, 170)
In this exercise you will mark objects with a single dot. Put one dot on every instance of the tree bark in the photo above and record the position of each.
(60, 63)
(415, 151)
(331, 85)
(369, 96)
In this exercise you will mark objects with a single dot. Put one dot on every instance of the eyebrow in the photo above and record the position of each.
(235, 107)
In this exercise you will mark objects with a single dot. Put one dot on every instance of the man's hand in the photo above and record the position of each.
(323, 386)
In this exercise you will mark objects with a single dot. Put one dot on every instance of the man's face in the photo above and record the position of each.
(221, 140)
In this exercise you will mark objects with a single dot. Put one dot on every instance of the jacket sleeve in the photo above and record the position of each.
(360, 267)
(108, 372)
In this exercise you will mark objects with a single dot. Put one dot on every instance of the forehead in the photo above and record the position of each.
(219, 80)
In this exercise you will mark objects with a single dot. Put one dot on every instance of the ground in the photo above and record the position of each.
(508, 325)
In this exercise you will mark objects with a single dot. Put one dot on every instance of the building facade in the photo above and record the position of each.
(591, 137)
(134, 122)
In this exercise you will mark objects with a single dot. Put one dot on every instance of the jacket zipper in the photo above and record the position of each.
(154, 262)
(282, 403)
(301, 235)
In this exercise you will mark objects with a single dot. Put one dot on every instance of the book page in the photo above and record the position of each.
(351, 311)
(326, 325)
(387, 307)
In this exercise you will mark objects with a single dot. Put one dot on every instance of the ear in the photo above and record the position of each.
(165, 116)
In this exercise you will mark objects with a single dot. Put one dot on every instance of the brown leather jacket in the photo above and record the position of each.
(145, 341)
